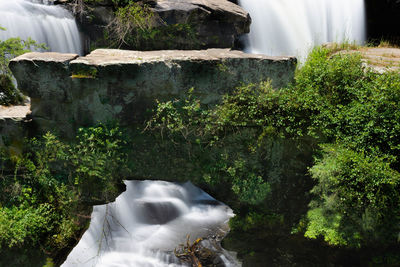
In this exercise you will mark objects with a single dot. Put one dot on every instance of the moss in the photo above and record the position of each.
(84, 73)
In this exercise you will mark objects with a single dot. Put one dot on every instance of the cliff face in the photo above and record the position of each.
(218, 23)
(68, 91)
(211, 23)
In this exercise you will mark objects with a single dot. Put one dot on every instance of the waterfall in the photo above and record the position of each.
(48, 24)
(293, 27)
(147, 222)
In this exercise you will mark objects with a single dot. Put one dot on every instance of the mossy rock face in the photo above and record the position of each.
(183, 24)
(68, 92)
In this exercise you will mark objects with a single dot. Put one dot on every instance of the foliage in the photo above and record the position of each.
(46, 190)
(357, 178)
(99, 162)
(136, 26)
(255, 147)
(359, 196)
(234, 162)
(131, 22)
(9, 49)
(347, 103)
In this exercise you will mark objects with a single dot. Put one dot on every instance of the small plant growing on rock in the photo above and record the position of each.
(136, 26)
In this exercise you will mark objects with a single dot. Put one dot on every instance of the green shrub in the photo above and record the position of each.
(260, 143)
(10, 48)
(358, 199)
(25, 226)
(357, 182)
(44, 191)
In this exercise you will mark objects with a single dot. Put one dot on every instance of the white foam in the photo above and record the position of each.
(293, 27)
(146, 223)
(48, 24)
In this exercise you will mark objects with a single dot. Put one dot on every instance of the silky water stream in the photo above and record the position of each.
(293, 27)
(147, 222)
(49, 24)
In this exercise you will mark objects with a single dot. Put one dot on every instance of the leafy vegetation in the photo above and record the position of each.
(9, 49)
(136, 26)
(46, 192)
(133, 22)
(319, 158)
(358, 199)
(261, 142)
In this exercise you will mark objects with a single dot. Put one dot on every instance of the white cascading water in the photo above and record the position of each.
(48, 24)
(293, 27)
(147, 222)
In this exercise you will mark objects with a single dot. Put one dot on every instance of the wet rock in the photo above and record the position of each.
(155, 212)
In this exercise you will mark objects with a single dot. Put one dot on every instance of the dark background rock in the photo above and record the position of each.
(218, 23)
(383, 20)
(215, 23)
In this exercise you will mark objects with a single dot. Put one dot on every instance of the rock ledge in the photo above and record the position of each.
(68, 92)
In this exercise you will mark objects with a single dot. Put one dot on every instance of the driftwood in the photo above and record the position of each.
(189, 252)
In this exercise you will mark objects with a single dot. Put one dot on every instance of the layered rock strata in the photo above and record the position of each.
(215, 23)
(68, 91)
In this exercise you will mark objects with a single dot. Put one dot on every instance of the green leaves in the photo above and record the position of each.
(356, 111)
(261, 142)
(137, 27)
(43, 190)
(9, 49)
(98, 162)
(358, 198)
(24, 225)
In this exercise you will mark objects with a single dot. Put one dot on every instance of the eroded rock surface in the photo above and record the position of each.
(381, 59)
(215, 23)
(218, 23)
(13, 126)
(378, 59)
(68, 91)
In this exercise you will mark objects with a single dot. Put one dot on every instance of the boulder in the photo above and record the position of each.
(14, 126)
(159, 212)
(218, 23)
(214, 23)
(68, 91)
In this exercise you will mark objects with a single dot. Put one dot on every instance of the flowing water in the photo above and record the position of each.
(147, 222)
(293, 27)
(51, 25)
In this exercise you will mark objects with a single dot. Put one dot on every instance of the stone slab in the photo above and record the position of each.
(68, 92)
(46, 57)
(104, 57)
(13, 127)
(17, 112)
(381, 59)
